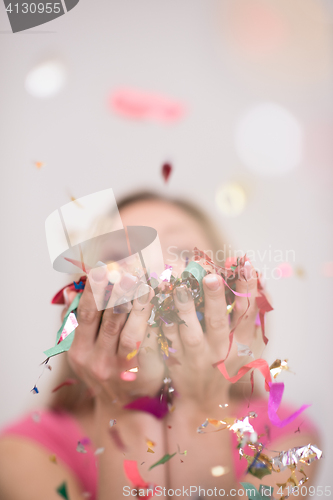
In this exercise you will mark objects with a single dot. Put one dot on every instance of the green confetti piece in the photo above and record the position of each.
(67, 342)
(164, 459)
(266, 491)
(251, 492)
(197, 271)
(259, 472)
(62, 491)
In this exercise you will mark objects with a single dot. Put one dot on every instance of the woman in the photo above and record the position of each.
(36, 458)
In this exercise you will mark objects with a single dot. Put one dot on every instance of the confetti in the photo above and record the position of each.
(154, 406)
(244, 350)
(62, 491)
(69, 381)
(254, 493)
(163, 460)
(67, 342)
(80, 448)
(112, 422)
(260, 364)
(53, 459)
(133, 475)
(275, 397)
(39, 164)
(264, 307)
(34, 390)
(278, 366)
(166, 171)
(142, 105)
(150, 450)
(132, 354)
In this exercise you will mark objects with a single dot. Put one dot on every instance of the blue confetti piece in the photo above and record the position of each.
(34, 390)
(79, 286)
(199, 315)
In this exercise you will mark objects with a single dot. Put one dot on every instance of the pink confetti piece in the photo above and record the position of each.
(275, 397)
(140, 105)
(285, 270)
(154, 406)
(128, 376)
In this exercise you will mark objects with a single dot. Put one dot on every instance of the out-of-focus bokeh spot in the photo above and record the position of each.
(268, 139)
(46, 79)
(286, 40)
(230, 199)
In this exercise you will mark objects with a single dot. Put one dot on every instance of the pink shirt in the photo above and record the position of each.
(59, 433)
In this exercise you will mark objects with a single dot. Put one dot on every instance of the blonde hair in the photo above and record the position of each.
(76, 397)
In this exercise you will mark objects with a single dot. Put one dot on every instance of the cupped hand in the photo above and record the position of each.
(193, 375)
(104, 338)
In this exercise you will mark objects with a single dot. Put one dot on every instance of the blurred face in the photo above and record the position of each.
(178, 231)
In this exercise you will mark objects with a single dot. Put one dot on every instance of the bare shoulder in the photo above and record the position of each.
(28, 473)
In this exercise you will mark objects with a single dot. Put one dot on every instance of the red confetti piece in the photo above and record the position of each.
(264, 306)
(133, 474)
(69, 381)
(166, 171)
(59, 296)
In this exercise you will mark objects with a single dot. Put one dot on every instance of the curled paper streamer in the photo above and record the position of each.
(275, 397)
(67, 342)
(260, 364)
(69, 327)
(264, 306)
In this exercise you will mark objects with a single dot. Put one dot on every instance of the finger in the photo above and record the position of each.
(246, 284)
(171, 331)
(88, 316)
(216, 316)
(191, 333)
(136, 325)
(122, 293)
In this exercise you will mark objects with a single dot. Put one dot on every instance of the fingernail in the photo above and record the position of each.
(167, 325)
(127, 282)
(143, 293)
(247, 270)
(122, 306)
(182, 294)
(98, 274)
(212, 282)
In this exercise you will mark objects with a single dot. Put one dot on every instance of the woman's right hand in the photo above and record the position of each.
(103, 339)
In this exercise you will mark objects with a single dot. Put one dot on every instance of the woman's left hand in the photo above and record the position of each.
(193, 376)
